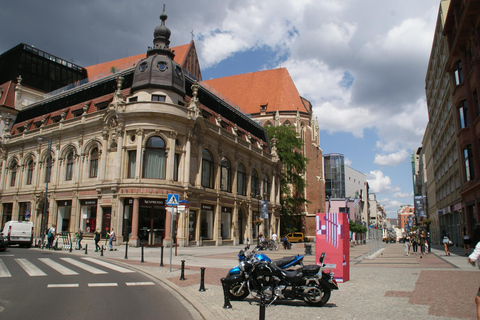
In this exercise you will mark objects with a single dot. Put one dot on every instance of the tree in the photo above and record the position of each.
(292, 178)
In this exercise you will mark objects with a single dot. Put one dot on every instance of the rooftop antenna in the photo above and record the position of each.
(193, 36)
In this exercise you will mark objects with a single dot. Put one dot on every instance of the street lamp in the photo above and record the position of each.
(47, 179)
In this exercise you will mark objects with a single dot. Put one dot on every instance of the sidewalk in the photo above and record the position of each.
(386, 285)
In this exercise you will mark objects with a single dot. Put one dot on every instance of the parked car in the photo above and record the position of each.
(3, 242)
(295, 237)
(18, 232)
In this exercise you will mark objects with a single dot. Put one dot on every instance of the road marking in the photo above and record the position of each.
(3, 270)
(58, 267)
(63, 285)
(109, 265)
(84, 266)
(108, 284)
(30, 268)
(147, 283)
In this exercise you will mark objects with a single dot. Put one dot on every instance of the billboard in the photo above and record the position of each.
(420, 206)
(332, 237)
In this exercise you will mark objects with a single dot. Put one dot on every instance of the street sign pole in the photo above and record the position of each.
(171, 237)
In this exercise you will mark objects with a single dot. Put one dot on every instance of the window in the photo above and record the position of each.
(94, 163)
(255, 189)
(132, 160)
(176, 164)
(48, 167)
(266, 186)
(241, 180)
(154, 159)
(13, 173)
(69, 167)
(30, 167)
(462, 112)
(157, 97)
(226, 176)
(207, 169)
(133, 99)
(458, 73)
(468, 162)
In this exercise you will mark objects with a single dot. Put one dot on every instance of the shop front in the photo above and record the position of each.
(63, 215)
(151, 221)
(88, 215)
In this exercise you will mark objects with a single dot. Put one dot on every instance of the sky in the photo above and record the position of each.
(362, 64)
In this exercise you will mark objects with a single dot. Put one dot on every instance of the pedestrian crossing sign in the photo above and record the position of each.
(172, 199)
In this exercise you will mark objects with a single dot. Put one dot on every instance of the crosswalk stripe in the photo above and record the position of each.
(30, 268)
(58, 267)
(63, 285)
(84, 266)
(109, 265)
(4, 271)
(111, 284)
(146, 283)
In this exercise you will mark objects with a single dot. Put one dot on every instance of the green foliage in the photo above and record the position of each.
(357, 228)
(292, 182)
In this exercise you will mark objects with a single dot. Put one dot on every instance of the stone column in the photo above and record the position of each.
(139, 157)
(134, 238)
(103, 157)
(186, 160)
(118, 169)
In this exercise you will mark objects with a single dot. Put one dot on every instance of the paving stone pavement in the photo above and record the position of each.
(387, 284)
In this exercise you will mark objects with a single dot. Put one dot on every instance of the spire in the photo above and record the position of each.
(161, 37)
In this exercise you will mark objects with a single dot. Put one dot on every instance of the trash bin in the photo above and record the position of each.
(308, 249)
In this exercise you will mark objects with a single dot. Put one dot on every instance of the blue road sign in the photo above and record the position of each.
(172, 199)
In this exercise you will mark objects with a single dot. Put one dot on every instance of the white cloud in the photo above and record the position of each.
(392, 159)
(401, 195)
(379, 183)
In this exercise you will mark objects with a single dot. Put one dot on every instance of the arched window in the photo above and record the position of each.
(207, 169)
(94, 163)
(69, 167)
(255, 186)
(266, 186)
(226, 176)
(241, 180)
(13, 171)
(48, 167)
(30, 167)
(154, 159)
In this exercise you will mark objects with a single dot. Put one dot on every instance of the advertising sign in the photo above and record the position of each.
(419, 206)
(332, 238)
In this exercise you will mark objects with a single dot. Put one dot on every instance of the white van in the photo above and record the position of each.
(19, 232)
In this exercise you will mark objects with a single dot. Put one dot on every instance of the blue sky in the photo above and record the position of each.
(362, 64)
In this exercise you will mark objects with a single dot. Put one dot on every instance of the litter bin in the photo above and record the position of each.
(308, 249)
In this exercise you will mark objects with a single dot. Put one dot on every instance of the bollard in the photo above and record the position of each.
(86, 246)
(182, 274)
(161, 256)
(262, 308)
(126, 250)
(142, 255)
(70, 239)
(101, 251)
(308, 249)
(226, 297)
(202, 280)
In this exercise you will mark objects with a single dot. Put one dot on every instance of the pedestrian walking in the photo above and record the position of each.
(50, 237)
(79, 236)
(111, 239)
(446, 242)
(422, 241)
(414, 241)
(474, 258)
(408, 244)
(466, 241)
(429, 242)
(96, 235)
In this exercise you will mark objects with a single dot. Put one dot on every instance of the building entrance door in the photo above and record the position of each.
(151, 225)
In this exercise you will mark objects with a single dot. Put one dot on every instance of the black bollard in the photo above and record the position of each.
(142, 255)
(202, 279)
(101, 251)
(70, 239)
(226, 297)
(126, 250)
(262, 308)
(86, 246)
(161, 256)
(182, 274)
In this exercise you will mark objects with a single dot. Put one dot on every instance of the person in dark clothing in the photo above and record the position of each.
(97, 239)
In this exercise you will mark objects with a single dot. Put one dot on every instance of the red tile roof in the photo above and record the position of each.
(101, 70)
(273, 88)
(8, 96)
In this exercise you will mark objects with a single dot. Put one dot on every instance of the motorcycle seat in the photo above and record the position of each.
(284, 261)
(294, 276)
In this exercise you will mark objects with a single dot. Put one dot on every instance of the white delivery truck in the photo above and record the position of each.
(19, 232)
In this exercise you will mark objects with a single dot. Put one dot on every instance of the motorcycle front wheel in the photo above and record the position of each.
(237, 289)
(317, 296)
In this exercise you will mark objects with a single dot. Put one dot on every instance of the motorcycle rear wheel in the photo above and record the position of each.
(235, 290)
(318, 296)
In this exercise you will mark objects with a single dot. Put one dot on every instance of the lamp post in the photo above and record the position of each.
(47, 179)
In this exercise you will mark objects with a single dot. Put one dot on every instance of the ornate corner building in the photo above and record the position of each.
(106, 150)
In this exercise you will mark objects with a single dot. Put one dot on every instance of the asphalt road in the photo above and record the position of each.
(45, 285)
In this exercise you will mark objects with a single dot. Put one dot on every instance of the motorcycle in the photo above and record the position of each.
(264, 279)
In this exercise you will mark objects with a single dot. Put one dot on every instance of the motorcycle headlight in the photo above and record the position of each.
(242, 266)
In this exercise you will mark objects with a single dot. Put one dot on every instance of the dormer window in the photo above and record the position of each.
(158, 97)
(77, 113)
(162, 66)
(178, 71)
(56, 119)
(263, 107)
(143, 67)
(133, 99)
